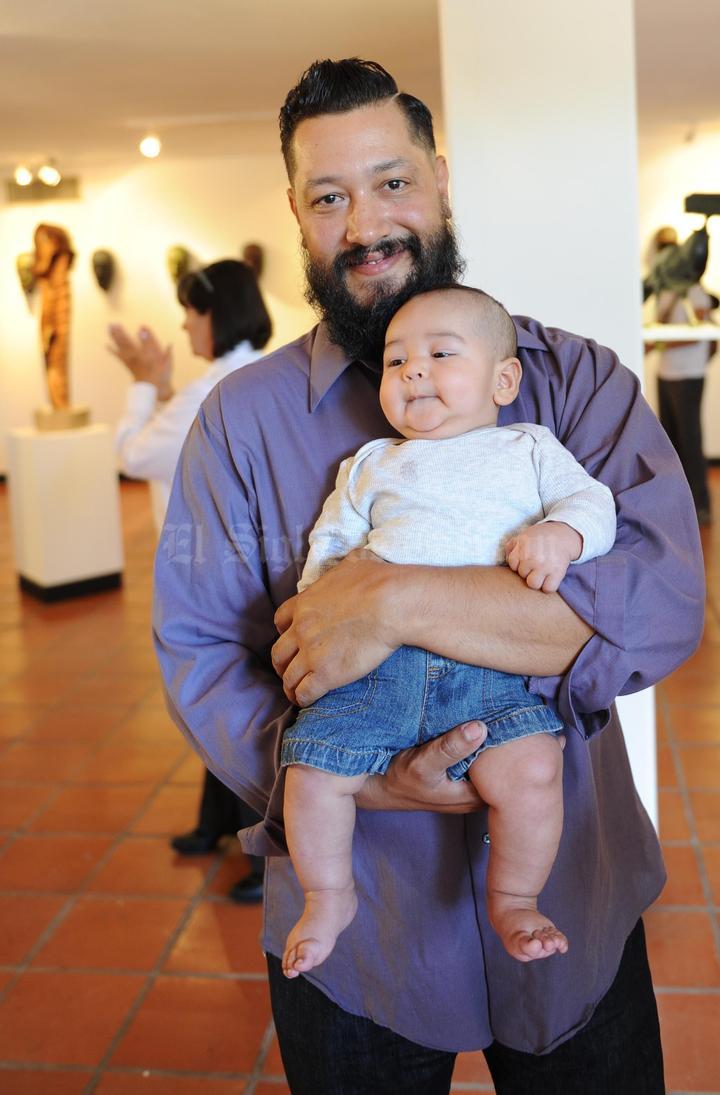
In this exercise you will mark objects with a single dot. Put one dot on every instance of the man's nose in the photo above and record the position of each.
(366, 222)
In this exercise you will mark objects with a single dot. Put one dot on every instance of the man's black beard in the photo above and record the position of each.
(358, 328)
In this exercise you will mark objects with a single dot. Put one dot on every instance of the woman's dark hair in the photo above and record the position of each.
(229, 291)
(334, 87)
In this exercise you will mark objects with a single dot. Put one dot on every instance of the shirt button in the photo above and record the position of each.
(486, 838)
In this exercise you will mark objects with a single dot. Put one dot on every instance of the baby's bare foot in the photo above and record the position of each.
(525, 933)
(326, 914)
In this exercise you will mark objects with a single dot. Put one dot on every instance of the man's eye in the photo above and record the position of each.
(396, 184)
(326, 200)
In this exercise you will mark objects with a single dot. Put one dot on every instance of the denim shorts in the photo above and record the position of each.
(410, 698)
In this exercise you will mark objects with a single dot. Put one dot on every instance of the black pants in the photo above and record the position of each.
(327, 1051)
(679, 405)
(223, 813)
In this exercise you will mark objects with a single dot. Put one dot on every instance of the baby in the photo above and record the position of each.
(455, 490)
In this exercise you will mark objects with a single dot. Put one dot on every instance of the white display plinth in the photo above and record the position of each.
(65, 510)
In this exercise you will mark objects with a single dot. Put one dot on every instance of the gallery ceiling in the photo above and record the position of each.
(83, 81)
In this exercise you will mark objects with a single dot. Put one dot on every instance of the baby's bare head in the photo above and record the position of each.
(482, 315)
(449, 364)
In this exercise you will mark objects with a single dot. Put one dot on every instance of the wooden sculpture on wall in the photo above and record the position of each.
(178, 260)
(254, 255)
(25, 266)
(103, 264)
(53, 259)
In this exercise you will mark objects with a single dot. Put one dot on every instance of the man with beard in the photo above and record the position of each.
(419, 974)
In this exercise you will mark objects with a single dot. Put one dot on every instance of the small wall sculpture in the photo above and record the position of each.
(254, 255)
(103, 264)
(179, 261)
(53, 259)
(25, 266)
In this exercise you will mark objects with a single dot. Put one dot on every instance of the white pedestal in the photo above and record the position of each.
(65, 511)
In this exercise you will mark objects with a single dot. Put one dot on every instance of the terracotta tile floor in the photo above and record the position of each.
(124, 969)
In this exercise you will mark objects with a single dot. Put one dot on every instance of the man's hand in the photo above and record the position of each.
(335, 631)
(144, 357)
(417, 778)
(542, 553)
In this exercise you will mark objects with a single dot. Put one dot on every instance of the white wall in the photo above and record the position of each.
(211, 206)
(669, 171)
(540, 120)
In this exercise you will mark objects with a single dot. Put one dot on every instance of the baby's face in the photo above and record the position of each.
(439, 375)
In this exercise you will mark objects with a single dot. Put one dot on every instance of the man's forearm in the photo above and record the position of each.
(483, 616)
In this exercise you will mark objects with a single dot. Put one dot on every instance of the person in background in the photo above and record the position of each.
(681, 378)
(228, 325)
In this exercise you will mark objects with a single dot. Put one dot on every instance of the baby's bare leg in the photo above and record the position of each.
(319, 823)
(521, 782)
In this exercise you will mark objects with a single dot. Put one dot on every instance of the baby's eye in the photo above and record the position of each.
(393, 361)
(442, 353)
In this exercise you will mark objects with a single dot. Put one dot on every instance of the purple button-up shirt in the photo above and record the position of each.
(420, 956)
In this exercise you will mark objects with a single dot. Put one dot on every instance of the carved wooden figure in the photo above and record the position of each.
(53, 259)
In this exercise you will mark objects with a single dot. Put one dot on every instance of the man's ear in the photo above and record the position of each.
(508, 374)
(293, 203)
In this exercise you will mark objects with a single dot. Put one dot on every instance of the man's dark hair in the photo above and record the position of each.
(334, 87)
(228, 290)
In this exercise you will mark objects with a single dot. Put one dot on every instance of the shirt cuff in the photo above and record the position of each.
(263, 839)
(583, 697)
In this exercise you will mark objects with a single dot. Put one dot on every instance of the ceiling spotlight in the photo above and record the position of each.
(150, 146)
(49, 174)
(23, 176)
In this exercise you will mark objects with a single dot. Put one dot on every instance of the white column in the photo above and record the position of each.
(540, 120)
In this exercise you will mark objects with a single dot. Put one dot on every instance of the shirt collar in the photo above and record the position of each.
(242, 354)
(526, 340)
(328, 361)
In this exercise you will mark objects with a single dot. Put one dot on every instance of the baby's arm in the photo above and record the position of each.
(339, 528)
(579, 524)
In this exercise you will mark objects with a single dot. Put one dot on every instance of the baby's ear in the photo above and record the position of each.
(508, 374)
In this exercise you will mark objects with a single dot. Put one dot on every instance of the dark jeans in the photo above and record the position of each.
(222, 813)
(679, 405)
(327, 1051)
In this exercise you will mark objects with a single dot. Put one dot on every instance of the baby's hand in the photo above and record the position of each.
(542, 553)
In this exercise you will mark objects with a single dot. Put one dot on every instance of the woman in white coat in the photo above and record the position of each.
(228, 325)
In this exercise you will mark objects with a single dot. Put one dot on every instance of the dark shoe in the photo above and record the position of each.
(197, 842)
(249, 891)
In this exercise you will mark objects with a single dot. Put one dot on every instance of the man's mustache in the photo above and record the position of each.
(386, 247)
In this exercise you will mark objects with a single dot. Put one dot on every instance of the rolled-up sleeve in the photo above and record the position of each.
(213, 624)
(645, 598)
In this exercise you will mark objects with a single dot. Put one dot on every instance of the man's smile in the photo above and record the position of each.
(374, 261)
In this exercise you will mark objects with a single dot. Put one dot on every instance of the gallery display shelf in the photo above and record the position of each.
(681, 332)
